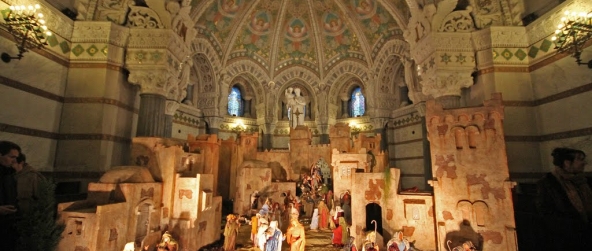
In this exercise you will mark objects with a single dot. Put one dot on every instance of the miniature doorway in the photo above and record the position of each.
(142, 223)
(374, 213)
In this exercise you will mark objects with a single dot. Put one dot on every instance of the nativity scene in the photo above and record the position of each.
(296, 125)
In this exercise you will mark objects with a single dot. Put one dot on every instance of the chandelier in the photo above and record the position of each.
(27, 26)
(573, 33)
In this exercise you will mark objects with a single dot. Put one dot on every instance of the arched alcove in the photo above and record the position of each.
(374, 213)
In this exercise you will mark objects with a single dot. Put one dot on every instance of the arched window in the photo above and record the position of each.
(357, 103)
(235, 102)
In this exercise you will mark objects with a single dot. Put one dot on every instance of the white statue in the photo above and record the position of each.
(295, 104)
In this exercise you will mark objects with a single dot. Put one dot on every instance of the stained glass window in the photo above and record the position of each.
(358, 104)
(235, 102)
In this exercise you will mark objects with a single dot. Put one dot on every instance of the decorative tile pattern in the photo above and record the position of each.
(105, 50)
(532, 52)
(52, 40)
(92, 50)
(65, 47)
(77, 50)
(445, 58)
(507, 54)
(546, 45)
(520, 54)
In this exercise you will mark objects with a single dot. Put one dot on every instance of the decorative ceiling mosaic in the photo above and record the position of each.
(314, 34)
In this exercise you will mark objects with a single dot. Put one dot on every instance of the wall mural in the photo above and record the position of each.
(297, 42)
(217, 22)
(377, 24)
(256, 38)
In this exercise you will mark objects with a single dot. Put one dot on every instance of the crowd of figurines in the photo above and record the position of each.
(314, 205)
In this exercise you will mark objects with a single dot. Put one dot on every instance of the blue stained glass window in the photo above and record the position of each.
(358, 104)
(235, 102)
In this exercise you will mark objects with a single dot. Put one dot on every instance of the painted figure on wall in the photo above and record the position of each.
(296, 40)
(256, 37)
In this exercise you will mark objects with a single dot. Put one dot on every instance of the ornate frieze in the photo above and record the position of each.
(457, 21)
(507, 36)
(143, 17)
(205, 103)
(446, 82)
(150, 80)
(158, 39)
(106, 10)
(100, 32)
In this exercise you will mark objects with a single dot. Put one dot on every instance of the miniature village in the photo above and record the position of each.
(173, 191)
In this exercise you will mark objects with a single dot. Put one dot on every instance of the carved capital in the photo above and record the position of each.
(150, 80)
(214, 122)
(162, 39)
(267, 128)
(420, 108)
(171, 107)
(446, 83)
(379, 123)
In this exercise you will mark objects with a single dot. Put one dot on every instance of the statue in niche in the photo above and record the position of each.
(296, 105)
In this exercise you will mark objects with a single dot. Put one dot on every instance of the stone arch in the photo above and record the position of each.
(245, 84)
(202, 46)
(205, 73)
(247, 67)
(297, 72)
(347, 67)
(396, 12)
(397, 48)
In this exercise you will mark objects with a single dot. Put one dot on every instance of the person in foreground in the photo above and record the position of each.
(564, 201)
(9, 151)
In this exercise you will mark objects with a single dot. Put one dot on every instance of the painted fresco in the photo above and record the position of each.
(218, 20)
(339, 39)
(297, 40)
(377, 24)
(256, 38)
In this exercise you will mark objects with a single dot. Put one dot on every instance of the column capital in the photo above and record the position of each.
(379, 123)
(267, 127)
(152, 81)
(171, 107)
(214, 122)
(344, 97)
(446, 82)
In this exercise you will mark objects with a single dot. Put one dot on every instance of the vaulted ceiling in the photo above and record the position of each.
(314, 34)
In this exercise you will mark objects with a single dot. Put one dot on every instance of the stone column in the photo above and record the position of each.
(427, 156)
(170, 109)
(247, 111)
(214, 124)
(324, 137)
(189, 98)
(344, 100)
(157, 61)
(379, 124)
(267, 137)
(151, 118)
